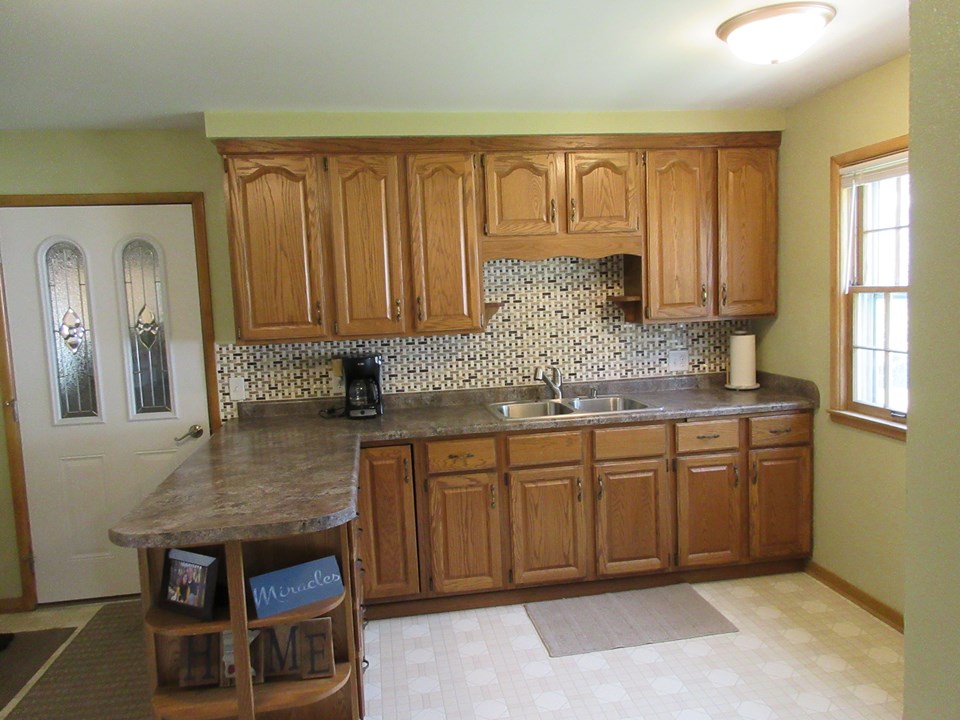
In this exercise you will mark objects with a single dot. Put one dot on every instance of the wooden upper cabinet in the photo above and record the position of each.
(447, 280)
(277, 262)
(521, 194)
(365, 238)
(464, 530)
(548, 524)
(780, 502)
(632, 520)
(709, 518)
(747, 194)
(681, 233)
(387, 523)
(604, 192)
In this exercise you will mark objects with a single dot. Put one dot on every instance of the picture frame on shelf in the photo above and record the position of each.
(189, 584)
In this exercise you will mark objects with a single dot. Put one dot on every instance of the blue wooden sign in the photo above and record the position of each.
(293, 587)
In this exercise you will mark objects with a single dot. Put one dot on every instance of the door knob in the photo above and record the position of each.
(194, 431)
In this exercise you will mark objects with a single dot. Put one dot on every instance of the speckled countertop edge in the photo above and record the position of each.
(284, 474)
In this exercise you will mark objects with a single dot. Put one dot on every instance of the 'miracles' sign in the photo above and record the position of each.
(293, 587)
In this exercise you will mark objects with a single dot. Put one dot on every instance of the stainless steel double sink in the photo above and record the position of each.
(567, 407)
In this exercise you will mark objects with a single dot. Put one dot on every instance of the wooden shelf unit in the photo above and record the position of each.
(338, 697)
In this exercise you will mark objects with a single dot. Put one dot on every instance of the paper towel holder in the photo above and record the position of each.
(749, 359)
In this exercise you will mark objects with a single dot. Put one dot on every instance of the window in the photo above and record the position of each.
(872, 251)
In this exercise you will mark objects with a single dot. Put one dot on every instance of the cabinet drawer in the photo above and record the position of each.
(630, 442)
(462, 454)
(708, 435)
(792, 429)
(544, 448)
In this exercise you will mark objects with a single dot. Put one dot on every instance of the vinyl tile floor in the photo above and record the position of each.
(802, 652)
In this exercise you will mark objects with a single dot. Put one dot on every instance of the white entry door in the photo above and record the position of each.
(104, 314)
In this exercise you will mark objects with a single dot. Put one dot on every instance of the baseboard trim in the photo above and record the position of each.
(17, 604)
(880, 610)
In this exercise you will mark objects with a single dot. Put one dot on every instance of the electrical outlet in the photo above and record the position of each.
(238, 388)
(336, 372)
(678, 361)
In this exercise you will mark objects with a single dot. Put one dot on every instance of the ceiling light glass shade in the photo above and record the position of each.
(777, 33)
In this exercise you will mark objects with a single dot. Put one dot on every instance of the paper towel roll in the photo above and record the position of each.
(742, 364)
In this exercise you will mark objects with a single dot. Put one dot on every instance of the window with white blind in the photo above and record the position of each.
(872, 245)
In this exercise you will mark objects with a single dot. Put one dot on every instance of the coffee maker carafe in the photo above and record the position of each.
(361, 374)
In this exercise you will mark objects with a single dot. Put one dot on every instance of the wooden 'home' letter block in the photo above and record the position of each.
(200, 660)
(316, 648)
(281, 650)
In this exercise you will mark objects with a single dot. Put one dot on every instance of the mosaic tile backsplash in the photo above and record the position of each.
(555, 312)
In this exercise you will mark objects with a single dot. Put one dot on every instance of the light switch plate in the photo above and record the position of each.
(678, 361)
(238, 388)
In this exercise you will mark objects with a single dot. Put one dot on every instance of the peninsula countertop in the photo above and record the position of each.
(263, 477)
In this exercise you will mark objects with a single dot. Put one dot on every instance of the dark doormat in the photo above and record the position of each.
(101, 675)
(26, 654)
(638, 617)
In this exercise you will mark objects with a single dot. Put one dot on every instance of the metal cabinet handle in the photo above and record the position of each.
(460, 456)
(723, 293)
(399, 309)
(736, 476)
(493, 496)
(420, 308)
(579, 490)
(703, 294)
(600, 483)
(194, 431)
(781, 431)
(709, 436)
(553, 210)
(320, 313)
(406, 470)
(573, 209)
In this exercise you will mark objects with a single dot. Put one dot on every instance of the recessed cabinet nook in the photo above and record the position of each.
(385, 237)
(520, 515)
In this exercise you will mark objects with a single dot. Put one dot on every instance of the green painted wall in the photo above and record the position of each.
(932, 684)
(859, 477)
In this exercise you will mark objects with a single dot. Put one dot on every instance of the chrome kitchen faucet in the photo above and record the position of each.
(556, 384)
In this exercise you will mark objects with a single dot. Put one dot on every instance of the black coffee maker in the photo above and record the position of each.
(361, 376)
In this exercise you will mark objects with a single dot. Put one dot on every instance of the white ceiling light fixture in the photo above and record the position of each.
(776, 33)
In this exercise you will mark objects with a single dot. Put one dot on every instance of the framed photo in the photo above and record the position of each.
(189, 583)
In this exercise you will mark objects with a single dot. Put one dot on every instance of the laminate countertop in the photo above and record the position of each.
(276, 474)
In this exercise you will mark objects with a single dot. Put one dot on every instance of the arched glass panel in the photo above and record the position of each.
(147, 343)
(75, 374)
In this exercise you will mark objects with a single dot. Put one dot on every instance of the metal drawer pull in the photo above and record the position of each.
(600, 493)
(399, 309)
(493, 496)
(455, 456)
(711, 436)
(781, 431)
(553, 210)
(703, 294)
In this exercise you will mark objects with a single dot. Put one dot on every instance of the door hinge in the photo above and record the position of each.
(326, 164)
(14, 409)
(510, 575)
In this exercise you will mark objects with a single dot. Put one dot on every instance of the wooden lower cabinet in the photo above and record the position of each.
(780, 502)
(709, 517)
(632, 533)
(548, 524)
(464, 530)
(388, 526)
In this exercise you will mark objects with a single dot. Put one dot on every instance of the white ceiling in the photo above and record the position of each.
(155, 63)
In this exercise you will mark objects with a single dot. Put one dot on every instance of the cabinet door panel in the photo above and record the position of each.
(443, 238)
(547, 524)
(748, 231)
(521, 193)
(275, 248)
(631, 528)
(780, 502)
(603, 192)
(709, 526)
(681, 233)
(365, 224)
(388, 541)
(465, 532)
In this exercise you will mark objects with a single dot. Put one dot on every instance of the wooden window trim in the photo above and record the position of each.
(841, 320)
